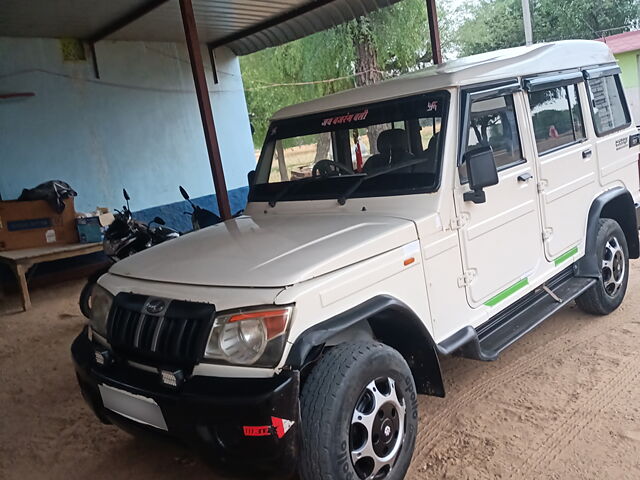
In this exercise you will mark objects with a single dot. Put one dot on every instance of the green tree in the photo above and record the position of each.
(493, 24)
(387, 43)
(489, 25)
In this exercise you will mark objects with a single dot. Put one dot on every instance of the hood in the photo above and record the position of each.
(269, 250)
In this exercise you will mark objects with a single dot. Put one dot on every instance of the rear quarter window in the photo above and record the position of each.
(608, 104)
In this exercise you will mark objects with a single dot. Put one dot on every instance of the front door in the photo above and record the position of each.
(501, 239)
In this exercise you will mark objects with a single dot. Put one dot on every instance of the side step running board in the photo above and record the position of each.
(487, 341)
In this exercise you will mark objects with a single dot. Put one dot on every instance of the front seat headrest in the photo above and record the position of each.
(393, 140)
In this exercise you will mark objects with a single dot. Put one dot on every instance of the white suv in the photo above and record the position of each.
(446, 212)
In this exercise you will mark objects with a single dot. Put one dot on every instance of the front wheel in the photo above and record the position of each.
(613, 258)
(359, 415)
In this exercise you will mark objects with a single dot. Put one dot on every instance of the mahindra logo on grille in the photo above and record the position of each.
(155, 306)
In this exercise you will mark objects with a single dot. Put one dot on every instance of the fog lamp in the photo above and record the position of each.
(171, 379)
(103, 357)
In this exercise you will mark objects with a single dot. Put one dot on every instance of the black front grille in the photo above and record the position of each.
(175, 336)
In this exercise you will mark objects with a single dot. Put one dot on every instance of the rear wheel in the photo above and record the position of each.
(359, 415)
(613, 258)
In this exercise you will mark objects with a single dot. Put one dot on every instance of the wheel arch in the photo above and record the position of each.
(387, 320)
(616, 204)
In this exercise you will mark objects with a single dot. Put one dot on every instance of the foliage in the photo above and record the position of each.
(399, 36)
(493, 24)
(490, 25)
(395, 40)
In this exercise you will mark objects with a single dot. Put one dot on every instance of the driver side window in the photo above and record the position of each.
(492, 122)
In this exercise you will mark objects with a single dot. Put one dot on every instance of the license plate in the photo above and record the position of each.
(134, 407)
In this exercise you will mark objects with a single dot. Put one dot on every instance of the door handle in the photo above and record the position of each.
(525, 177)
(586, 153)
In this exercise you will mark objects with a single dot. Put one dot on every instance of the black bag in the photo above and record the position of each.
(53, 191)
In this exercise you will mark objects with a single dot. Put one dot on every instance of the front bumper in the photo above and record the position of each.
(242, 427)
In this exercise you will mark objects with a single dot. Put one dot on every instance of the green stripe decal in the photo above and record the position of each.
(565, 256)
(508, 292)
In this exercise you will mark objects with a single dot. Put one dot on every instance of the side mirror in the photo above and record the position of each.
(159, 221)
(184, 193)
(126, 194)
(251, 177)
(481, 172)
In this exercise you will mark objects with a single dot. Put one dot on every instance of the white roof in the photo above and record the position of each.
(507, 63)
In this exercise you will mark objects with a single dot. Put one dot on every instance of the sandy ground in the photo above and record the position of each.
(563, 403)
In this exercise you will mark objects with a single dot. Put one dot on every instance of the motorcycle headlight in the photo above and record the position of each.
(101, 301)
(249, 337)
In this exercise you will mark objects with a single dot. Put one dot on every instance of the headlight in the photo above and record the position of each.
(101, 301)
(249, 337)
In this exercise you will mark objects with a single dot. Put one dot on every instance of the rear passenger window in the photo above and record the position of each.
(557, 117)
(608, 105)
(492, 122)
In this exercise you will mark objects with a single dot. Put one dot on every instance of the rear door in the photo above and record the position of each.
(566, 158)
(501, 238)
(617, 161)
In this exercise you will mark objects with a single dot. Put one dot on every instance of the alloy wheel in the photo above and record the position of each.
(613, 267)
(377, 429)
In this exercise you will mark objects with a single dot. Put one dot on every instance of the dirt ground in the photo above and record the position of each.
(563, 403)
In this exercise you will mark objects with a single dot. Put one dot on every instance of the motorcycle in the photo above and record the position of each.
(200, 217)
(124, 237)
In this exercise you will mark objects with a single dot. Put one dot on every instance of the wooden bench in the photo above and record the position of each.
(20, 261)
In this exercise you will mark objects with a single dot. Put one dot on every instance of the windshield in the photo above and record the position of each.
(389, 148)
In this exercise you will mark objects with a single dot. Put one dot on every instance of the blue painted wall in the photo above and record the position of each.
(138, 126)
(173, 213)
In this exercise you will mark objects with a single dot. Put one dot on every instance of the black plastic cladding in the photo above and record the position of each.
(394, 324)
(618, 205)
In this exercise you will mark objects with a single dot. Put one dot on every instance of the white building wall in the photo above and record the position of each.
(138, 126)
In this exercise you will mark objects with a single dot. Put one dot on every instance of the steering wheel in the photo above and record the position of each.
(328, 168)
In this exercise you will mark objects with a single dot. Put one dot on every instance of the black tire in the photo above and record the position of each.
(85, 298)
(613, 259)
(343, 380)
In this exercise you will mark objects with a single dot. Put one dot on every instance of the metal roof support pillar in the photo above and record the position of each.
(204, 104)
(434, 31)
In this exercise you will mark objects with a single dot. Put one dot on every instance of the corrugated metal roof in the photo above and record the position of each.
(240, 24)
(623, 42)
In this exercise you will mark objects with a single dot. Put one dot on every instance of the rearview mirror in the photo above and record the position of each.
(481, 172)
(184, 193)
(159, 221)
(126, 194)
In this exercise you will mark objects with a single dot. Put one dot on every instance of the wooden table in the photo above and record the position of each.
(20, 261)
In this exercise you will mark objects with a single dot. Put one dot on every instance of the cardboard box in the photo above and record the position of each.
(89, 229)
(35, 224)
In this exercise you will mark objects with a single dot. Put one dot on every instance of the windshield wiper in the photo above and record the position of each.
(279, 195)
(295, 183)
(342, 199)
